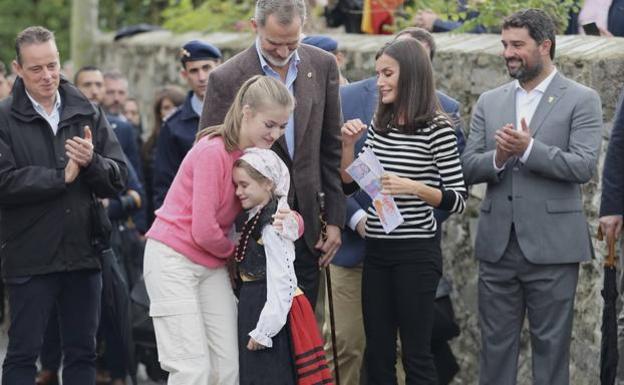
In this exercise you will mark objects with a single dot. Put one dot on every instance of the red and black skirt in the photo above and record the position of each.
(307, 345)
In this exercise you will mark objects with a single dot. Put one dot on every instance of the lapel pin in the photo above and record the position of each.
(550, 99)
(309, 74)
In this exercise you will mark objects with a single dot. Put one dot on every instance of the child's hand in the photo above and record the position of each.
(280, 216)
(254, 345)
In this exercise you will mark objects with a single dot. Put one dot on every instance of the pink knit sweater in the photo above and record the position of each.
(200, 207)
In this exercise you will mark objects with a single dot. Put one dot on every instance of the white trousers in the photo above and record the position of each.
(195, 318)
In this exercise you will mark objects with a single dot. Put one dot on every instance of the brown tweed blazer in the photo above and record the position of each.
(318, 119)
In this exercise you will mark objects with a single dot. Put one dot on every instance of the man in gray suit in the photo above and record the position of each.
(534, 141)
(311, 145)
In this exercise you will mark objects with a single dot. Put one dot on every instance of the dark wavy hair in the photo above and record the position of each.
(416, 100)
(539, 24)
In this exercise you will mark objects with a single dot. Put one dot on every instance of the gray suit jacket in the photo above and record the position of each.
(318, 118)
(542, 197)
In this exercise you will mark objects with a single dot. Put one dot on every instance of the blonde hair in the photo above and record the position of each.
(258, 91)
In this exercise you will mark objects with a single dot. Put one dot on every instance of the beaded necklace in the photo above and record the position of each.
(247, 230)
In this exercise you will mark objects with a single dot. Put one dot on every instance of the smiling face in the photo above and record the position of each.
(387, 70)
(263, 127)
(40, 69)
(251, 191)
(278, 42)
(523, 56)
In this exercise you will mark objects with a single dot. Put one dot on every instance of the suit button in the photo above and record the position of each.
(509, 198)
(67, 211)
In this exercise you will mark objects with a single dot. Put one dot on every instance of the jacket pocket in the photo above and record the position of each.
(564, 205)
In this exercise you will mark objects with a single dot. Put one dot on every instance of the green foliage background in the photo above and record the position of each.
(491, 12)
(209, 16)
(17, 15)
(222, 15)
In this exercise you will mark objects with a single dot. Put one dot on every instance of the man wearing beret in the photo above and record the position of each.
(330, 45)
(177, 133)
(311, 145)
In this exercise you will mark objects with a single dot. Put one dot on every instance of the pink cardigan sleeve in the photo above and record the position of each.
(209, 174)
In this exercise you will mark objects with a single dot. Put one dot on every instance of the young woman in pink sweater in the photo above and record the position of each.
(192, 303)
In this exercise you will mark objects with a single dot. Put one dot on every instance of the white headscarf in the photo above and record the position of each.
(269, 164)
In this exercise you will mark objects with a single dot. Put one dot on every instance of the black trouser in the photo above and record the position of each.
(77, 297)
(114, 352)
(399, 282)
(51, 349)
(307, 271)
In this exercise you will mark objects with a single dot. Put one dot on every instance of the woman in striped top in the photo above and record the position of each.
(416, 145)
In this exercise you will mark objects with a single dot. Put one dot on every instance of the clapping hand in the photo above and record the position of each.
(80, 150)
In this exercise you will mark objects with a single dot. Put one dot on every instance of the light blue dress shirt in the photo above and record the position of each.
(290, 80)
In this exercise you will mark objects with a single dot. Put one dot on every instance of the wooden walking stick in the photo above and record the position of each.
(330, 299)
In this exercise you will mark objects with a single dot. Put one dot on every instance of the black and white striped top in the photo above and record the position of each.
(429, 156)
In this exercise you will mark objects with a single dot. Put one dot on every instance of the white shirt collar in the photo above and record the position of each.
(39, 107)
(542, 86)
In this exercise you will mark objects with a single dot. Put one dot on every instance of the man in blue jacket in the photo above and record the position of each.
(177, 133)
(359, 100)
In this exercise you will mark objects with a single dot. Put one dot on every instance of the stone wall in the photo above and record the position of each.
(466, 65)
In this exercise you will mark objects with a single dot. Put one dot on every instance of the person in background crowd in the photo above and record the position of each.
(116, 86)
(344, 12)
(113, 101)
(46, 214)
(5, 87)
(132, 112)
(92, 83)
(330, 45)
(11, 79)
(167, 100)
(177, 133)
(534, 141)
(311, 145)
(607, 14)
(432, 22)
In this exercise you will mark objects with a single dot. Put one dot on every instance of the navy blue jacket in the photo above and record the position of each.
(127, 139)
(616, 18)
(359, 100)
(176, 138)
(123, 206)
(612, 200)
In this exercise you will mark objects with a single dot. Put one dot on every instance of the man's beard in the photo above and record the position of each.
(273, 61)
(525, 73)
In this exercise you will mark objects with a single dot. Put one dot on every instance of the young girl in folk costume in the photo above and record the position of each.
(192, 303)
(265, 256)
